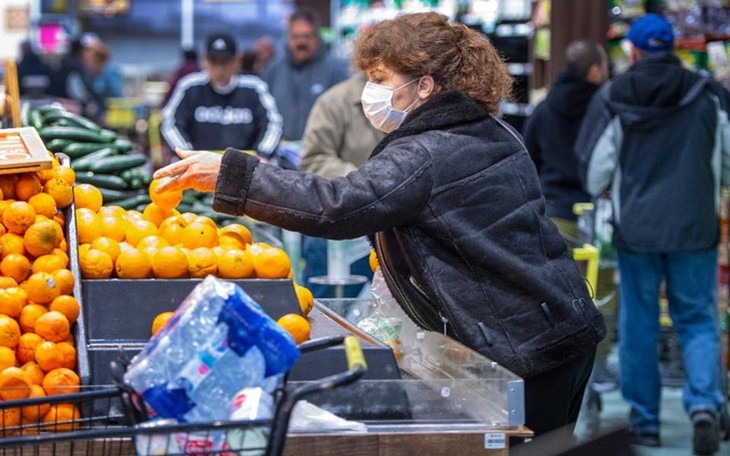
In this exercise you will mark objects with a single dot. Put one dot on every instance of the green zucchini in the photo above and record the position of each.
(136, 183)
(111, 196)
(118, 163)
(128, 203)
(108, 135)
(62, 123)
(85, 163)
(189, 198)
(58, 145)
(139, 172)
(36, 121)
(183, 207)
(80, 149)
(123, 145)
(72, 133)
(50, 107)
(74, 119)
(102, 181)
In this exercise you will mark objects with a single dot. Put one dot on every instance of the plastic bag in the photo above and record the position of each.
(309, 417)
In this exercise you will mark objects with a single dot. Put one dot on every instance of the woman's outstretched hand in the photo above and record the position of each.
(198, 170)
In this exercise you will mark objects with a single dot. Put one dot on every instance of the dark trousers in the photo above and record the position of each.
(553, 399)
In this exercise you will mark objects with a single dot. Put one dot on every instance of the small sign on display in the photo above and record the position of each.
(22, 150)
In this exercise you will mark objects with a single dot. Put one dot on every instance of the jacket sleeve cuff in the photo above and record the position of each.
(234, 180)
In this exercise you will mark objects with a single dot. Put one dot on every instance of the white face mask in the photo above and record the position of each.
(377, 103)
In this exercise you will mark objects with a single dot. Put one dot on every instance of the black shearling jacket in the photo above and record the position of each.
(459, 224)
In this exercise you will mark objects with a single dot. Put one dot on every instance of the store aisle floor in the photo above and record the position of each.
(676, 432)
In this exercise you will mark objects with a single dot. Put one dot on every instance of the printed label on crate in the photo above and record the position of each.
(494, 441)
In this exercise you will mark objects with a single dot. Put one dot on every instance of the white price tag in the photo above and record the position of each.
(494, 441)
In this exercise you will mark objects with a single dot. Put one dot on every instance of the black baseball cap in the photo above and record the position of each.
(221, 46)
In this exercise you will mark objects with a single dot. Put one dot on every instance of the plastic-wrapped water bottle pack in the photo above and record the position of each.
(218, 342)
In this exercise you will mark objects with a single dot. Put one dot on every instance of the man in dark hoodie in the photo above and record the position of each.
(552, 129)
(302, 74)
(659, 136)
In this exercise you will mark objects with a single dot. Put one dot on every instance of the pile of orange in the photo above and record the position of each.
(162, 243)
(37, 309)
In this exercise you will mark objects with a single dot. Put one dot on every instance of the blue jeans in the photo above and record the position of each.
(314, 253)
(691, 281)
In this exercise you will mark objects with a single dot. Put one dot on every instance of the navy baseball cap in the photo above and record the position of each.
(652, 33)
(221, 46)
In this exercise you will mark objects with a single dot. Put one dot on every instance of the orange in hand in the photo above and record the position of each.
(164, 200)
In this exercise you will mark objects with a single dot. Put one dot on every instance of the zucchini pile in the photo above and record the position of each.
(98, 156)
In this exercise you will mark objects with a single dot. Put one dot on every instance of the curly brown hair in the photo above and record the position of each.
(456, 57)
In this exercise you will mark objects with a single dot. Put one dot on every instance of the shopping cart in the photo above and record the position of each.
(113, 420)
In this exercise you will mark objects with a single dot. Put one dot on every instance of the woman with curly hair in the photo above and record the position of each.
(453, 205)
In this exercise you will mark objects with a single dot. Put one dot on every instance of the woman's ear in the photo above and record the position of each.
(426, 87)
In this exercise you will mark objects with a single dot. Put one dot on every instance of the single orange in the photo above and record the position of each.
(7, 358)
(18, 217)
(48, 263)
(107, 245)
(34, 372)
(25, 351)
(10, 418)
(235, 264)
(202, 262)
(69, 354)
(164, 200)
(7, 186)
(152, 242)
(173, 232)
(132, 215)
(133, 264)
(189, 217)
(44, 204)
(160, 321)
(373, 260)
(11, 243)
(88, 196)
(305, 299)
(113, 227)
(65, 280)
(297, 326)
(7, 282)
(41, 238)
(95, 264)
(271, 263)
(153, 213)
(42, 288)
(53, 326)
(35, 412)
(138, 230)
(48, 356)
(88, 225)
(60, 190)
(27, 186)
(62, 418)
(113, 211)
(14, 384)
(15, 266)
(169, 263)
(12, 301)
(9, 332)
(61, 381)
(62, 255)
(237, 231)
(66, 305)
(29, 315)
(199, 234)
(66, 173)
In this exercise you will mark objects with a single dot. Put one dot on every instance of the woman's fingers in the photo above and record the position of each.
(172, 184)
(174, 168)
(185, 153)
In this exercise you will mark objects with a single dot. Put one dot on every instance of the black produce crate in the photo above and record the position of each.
(124, 309)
